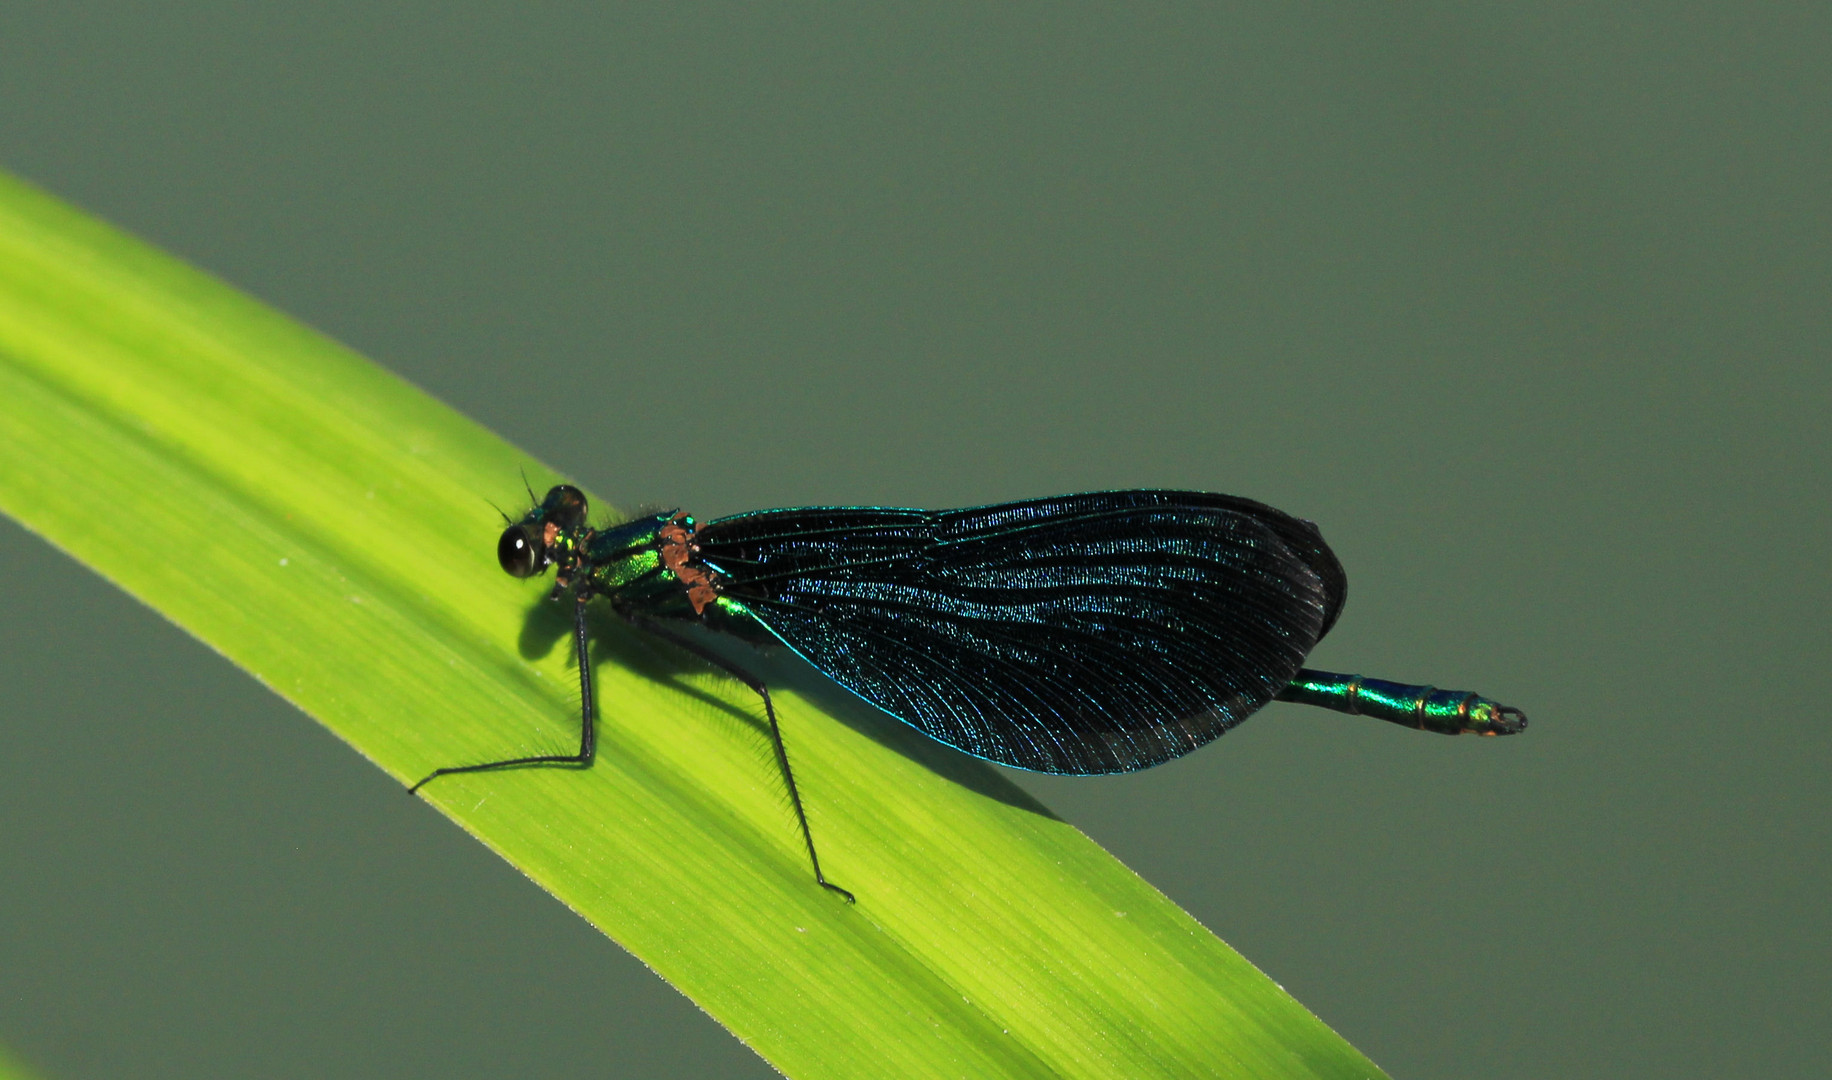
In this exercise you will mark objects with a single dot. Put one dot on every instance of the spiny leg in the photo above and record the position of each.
(769, 710)
(587, 714)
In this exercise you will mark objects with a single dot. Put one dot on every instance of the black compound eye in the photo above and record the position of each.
(519, 551)
(565, 506)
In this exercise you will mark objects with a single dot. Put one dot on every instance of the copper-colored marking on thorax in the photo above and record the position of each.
(678, 551)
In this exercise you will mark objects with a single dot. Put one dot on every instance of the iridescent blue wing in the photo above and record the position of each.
(1092, 633)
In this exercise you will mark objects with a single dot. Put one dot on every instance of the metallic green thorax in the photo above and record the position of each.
(626, 564)
(626, 559)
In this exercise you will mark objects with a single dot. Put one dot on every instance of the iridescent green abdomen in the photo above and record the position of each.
(1448, 712)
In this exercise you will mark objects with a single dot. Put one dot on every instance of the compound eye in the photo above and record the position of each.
(565, 506)
(519, 551)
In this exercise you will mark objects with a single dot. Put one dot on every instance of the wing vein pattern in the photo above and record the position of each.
(1092, 633)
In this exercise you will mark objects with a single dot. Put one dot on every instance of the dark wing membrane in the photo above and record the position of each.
(1089, 633)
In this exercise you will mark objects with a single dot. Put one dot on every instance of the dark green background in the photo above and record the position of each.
(1526, 305)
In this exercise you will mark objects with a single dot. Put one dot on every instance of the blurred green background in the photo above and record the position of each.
(1527, 306)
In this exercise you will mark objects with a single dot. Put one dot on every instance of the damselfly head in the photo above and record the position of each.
(524, 549)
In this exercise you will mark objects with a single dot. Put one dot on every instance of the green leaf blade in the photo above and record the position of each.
(326, 526)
